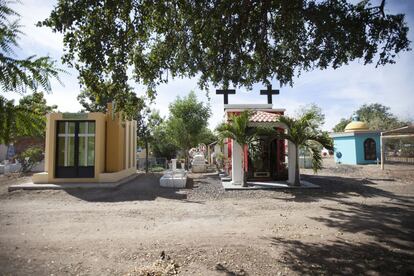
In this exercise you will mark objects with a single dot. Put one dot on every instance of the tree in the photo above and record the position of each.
(188, 118)
(16, 75)
(163, 145)
(25, 119)
(29, 158)
(237, 129)
(36, 103)
(376, 116)
(225, 43)
(206, 136)
(319, 119)
(340, 127)
(147, 121)
(302, 132)
(95, 98)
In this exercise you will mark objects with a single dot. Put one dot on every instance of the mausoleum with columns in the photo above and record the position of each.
(271, 159)
(88, 147)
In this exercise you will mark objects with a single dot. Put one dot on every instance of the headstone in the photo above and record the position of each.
(10, 152)
(174, 164)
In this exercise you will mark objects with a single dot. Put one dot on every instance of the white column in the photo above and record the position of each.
(173, 164)
(382, 152)
(291, 162)
(126, 144)
(236, 163)
(48, 147)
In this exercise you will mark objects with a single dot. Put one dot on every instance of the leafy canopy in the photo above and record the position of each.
(163, 144)
(25, 119)
(187, 122)
(376, 116)
(222, 42)
(16, 75)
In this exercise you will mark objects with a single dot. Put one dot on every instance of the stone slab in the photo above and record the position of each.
(174, 180)
(259, 185)
(65, 186)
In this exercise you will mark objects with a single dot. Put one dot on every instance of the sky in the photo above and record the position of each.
(338, 92)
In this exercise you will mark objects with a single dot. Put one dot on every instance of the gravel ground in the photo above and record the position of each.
(359, 223)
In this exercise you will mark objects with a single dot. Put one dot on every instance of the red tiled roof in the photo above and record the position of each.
(262, 116)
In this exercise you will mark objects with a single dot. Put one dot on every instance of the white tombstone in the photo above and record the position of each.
(198, 165)
(173, 164)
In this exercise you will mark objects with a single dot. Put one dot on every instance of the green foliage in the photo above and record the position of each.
(340, 127)
(29, 158)
(147, 122)
(25, 119)
(187, 122)
(376, 116)
(163, 145)
(238, 130)
(222, 42)
(303, 132)
(319, 117)
(157, 169)
(206, 136)
(37, 104)
(16, 75)
(94, 97)
(188, 118)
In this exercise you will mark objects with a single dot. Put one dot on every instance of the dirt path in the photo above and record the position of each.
(360, 222)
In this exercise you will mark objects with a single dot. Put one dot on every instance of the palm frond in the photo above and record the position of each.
(18, 74)
(323, 139)
(316, 156)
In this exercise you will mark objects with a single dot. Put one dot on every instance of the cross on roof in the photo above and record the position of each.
(226, 93)
(269, 92)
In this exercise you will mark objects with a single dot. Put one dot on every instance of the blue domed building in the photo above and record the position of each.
(357, 144)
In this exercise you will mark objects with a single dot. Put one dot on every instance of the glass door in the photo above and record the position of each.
(75, 149)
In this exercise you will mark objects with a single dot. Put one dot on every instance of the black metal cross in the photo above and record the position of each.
(269, 92)
(226, 94)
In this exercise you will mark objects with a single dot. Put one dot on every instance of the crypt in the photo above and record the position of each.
(88, 147)
(272, 159)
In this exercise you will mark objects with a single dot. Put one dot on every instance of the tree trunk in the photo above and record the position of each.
(297, 174)
(186, 160)
(146, 156)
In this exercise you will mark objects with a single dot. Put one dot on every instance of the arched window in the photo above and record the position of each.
(370, 149)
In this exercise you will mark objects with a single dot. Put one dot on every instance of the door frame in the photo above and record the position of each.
(75, 171)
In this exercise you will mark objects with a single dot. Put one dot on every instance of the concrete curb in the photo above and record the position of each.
(65, 186)
(274, 185)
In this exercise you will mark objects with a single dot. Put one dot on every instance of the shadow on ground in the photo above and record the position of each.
(391, 223)
(144, 187)
(338, 187)
(343, 258)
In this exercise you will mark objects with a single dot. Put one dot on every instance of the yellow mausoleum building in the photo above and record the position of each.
(88, 147)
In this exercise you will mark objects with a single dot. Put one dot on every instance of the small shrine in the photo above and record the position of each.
(271, 159)
(357, 144)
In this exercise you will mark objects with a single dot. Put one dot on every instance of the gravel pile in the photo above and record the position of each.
(208, 187)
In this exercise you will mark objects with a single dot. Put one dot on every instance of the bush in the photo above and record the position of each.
(29, 158)
(157, 169)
